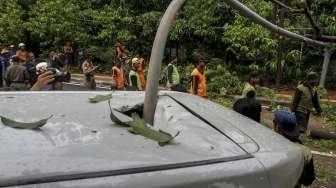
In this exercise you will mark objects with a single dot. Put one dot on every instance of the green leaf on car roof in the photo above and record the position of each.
(139, 126)
(100, 98)
(23, 125)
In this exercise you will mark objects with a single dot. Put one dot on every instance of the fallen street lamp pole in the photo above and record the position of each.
(156, 60)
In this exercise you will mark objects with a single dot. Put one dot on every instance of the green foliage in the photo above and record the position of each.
(223, 82)
(319, 145)
(323, 174)
(266, 92)
(11, 30)
(227, 102)
(210, 26)
(56, 22)
(249, 40)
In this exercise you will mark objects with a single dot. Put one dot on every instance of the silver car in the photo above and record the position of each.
(81, 147)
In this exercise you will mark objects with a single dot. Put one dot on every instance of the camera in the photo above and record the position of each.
(60, 76)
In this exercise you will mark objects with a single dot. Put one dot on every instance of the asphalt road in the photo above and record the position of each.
(80, 87)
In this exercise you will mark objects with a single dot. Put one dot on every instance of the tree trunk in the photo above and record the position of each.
(327, 56)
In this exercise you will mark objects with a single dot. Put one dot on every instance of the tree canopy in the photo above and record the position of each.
(209, 26)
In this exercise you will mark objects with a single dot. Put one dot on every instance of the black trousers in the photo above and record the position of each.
(1, 79)
(302, 121)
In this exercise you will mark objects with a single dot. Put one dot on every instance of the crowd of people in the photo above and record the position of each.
(21, 72)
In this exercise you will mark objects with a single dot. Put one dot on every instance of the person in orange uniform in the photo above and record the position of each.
(198, 80)
(118, 77)
(22, 54)
(141, 68)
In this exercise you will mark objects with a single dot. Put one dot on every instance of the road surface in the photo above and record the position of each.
(79, 87)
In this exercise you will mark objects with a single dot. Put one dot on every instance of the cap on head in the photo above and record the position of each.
(21, 45)
(12, 46)
(134, 61)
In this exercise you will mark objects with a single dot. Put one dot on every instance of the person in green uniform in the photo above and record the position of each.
(16, 76)
(173, 76)
(134, 79)
(305, 99)
(250, 85)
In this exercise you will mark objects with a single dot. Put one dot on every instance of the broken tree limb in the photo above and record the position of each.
(322, 134)
(311, 20)
(292, 10)
(324, 38)
(323, 154)
(270, 26)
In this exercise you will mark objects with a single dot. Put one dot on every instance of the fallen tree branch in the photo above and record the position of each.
(323, 154)
(292, 10)
(311, 20)
(306, 11)
(245, 11)
(324, 38)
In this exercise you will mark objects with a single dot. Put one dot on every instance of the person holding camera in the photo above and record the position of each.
(49, 79)
(88, 70)
(43, 81)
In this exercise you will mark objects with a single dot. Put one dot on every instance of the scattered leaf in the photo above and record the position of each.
(22, 125)
(100, 98)
(140, 127)
(118, 117)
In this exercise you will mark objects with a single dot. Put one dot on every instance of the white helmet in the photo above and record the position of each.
(21, 45)
(41, 67)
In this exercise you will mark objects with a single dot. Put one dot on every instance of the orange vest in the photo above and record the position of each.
(141, 72)
(118, 78)
(201, 88)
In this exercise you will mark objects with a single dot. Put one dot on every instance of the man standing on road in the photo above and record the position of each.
(198, 80)
(88, 71)
(118, 77)
(68, 52)
(173, 76)
(251, 84)
(17, 76)
(134, 80)
(141, 71)
(305, 99)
